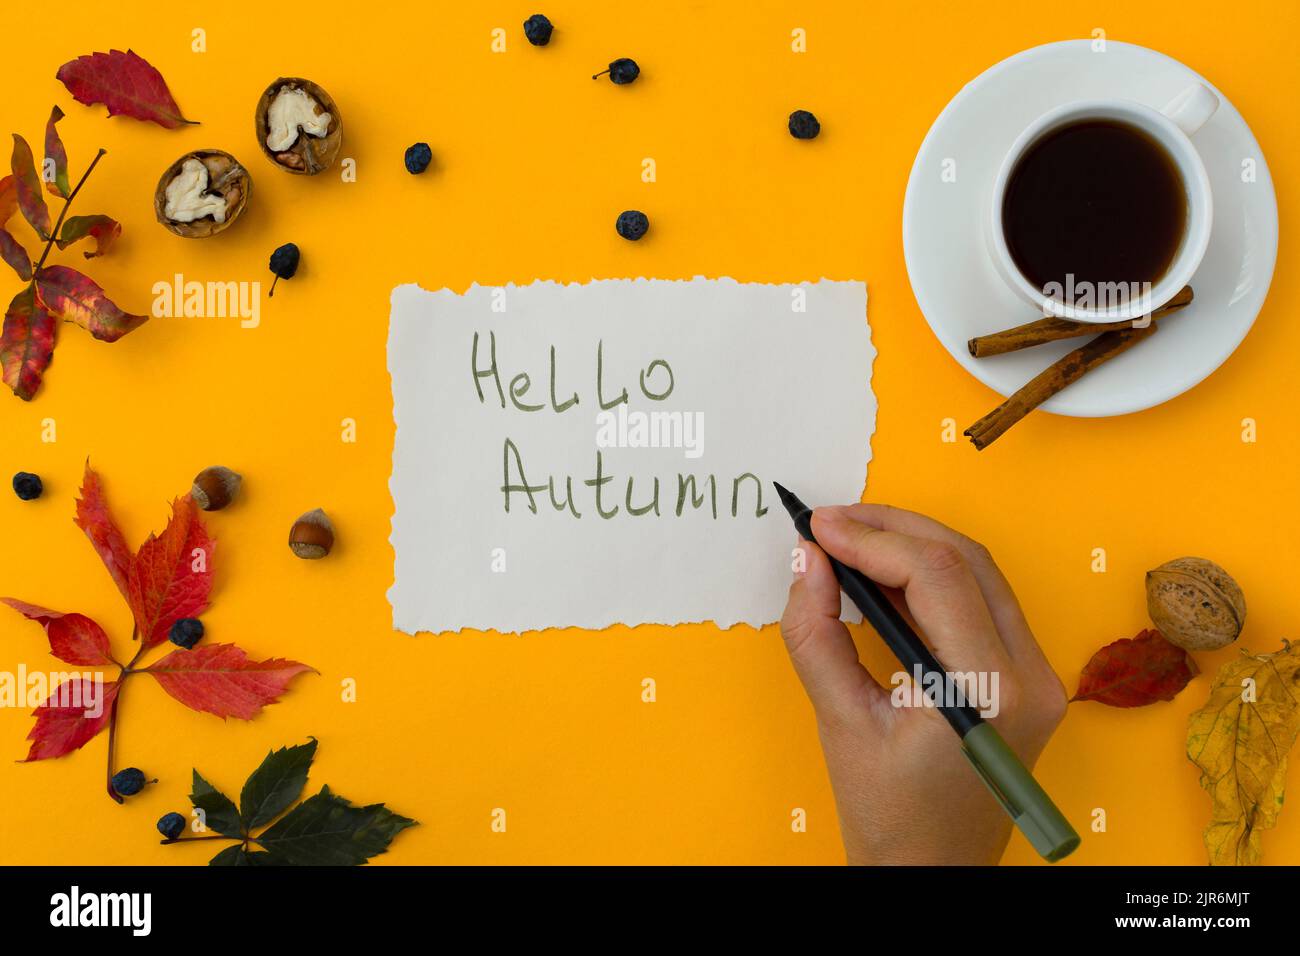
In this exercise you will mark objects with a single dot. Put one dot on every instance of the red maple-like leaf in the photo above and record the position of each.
(125, 83)
(1133, 672)
(93, 517)
(70, 717)
(171, 577)
(74, 638)
(220, 679)
(26, 344)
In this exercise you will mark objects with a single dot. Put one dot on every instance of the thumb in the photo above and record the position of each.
(820, 647)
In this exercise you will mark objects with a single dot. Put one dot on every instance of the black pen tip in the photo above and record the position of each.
(789, 499)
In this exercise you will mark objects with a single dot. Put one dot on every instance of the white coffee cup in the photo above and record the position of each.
(1171, 128)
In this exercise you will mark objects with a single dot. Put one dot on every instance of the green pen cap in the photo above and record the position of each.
(1014, 787)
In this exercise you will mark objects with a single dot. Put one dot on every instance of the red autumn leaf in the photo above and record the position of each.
(220, 679)
(171, 576)
(26, 344)
(1133, 672)
(8, 199)
(12, 251)
(70, 717)
(74, 638)
(74, 297)
(94, 518)
(125, 83)
(55, 152)
(28, 186)
(100, 228)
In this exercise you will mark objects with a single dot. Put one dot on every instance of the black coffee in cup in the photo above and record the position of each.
(1095, 201)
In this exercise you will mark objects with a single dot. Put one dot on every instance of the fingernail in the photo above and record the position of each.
(799, 558)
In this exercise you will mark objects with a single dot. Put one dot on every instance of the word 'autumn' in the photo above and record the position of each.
(625, 428)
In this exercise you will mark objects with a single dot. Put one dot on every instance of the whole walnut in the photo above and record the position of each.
(1195, 604)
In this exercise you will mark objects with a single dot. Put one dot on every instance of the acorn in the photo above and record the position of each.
(215, 487)
(298, 126)
(1195, 604)
(312, 535)
(202, 194)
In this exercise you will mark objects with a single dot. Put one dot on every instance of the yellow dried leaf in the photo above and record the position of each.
(1240, 740)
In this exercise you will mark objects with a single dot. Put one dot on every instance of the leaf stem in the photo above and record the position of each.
(126, 670)
(196, 839)
(49, 243)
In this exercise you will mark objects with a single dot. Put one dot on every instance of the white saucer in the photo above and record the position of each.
(962, 296)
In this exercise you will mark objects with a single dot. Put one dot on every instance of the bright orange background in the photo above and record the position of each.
(533, 162)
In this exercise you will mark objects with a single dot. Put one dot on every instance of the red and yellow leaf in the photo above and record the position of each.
(74, 638)
(73, 297)
(8, 199)
(12, 251)
(28, 186)
(94, 518)
(220, 679)
(1133, 672)
(171, 576)
(125, 83)
(67, 720)
(100, 228)
(56, 154)
(26, 344)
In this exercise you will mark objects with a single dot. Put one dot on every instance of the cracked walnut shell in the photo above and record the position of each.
(298, 126)
(202, 194)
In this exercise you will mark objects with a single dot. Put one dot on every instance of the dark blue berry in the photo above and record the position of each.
(128, 782)
(803, 125)
(171, 825)
(28, 486)
(284, 263)
(186, 632)
(418, 158)
(632, 224)
(622, 71)
(538, 30)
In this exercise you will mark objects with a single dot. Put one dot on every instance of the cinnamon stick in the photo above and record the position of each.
(1051, 380)
(1053, 329)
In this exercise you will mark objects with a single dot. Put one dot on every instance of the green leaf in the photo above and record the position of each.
(56, 155)
(219, 812)
(326, 830)
(231, 856)
(277, 783)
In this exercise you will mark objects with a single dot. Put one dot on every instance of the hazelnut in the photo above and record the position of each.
(312, 535)
(202, 194)
(298, 126)
(215, 487)
(1195, 604)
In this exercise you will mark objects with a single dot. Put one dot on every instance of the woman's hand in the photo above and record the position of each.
(905, 793)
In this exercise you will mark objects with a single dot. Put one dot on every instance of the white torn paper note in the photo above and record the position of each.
(599, 453)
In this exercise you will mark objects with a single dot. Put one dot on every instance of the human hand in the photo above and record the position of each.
(905, 794)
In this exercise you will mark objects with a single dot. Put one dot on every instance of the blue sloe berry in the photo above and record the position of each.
(28, 486)
(622, 71)
(418, 158)
(186, 632)
(171, 825)
(284, 263)
(803, 125)
(632, 224)
(538, 30)
(128, 782)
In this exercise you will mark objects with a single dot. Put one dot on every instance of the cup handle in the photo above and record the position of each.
(1191, 108)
